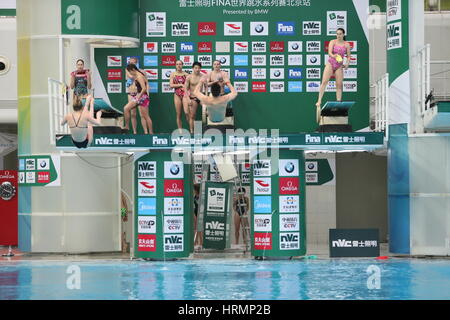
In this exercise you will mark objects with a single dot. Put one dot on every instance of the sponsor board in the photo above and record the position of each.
(277, 60)
(259, 46)
(173, 243)
(259, 60)
(207, 29)
(168, 60)
(241, 60)
(165, 88)
(186, 47)
(312, 177)
(173, 170)
(290, 241)
(262, 223)
(262, 168)
(156, 24)
(276, 46)
(313, 59)
(216, 199)
(313, 46)
(241, 74)
(43, 177)
(276, 74)
(313, 73)
(336, 20)
(277, 86)
(354, 243)
(205, 60)
(165, 73)
(173, 224)
(173, 188)
(147, 224)
(258, 73)
(262, 186)
(173, 206)
(240, 46)
(43, 164)
(181, 29)
(30, 177)
(146, 169)
(289, 222)
(295, 46)
(295, 86)
(232, 28)
(312, 86)
(351, 73)
(114, 61)
(150, 47)
(187, 60)
(295, 60)
(147, 242)
(224, 60)
(168, 47)
(295, 73)
(394, 35)
(114, 87)
(289, 204)
(350, 86)
(262, 241)
(241, 87)
(152, 74)
(311, 166)
(312, 28)
(259, 28)
(223, 46)
(146, 206)
(146, 187)
(289, 185)
(262, 204)
(288, 168)
(259, 86)
(204, 47)
(150, 61)
(394, 10)
(285, 28)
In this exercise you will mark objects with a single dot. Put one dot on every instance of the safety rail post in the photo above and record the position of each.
(382, 104)
(57, 109)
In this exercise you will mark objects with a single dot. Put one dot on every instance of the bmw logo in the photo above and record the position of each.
(168, 74)
(259, 28)
(223, 60)
(295, 46)
(289, 167)
(174, 169)
(310, 166)
(43, 164)
(277, 74)
(313, 60)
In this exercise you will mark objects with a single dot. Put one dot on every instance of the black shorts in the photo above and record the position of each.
(81, 145)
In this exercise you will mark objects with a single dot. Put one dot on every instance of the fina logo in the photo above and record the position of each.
(289, 167)
(187, 47)
(285, 28)
(174, 169)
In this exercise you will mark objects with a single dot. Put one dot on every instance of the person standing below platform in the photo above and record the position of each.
(177, 82)
(141, 100)
(80, 122)
(218, 76)
(241, 205)
(132, 92)
(80, 80)
(189, 87)
(337, 50)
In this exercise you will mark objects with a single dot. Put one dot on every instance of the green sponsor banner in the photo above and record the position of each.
(163, 207)
(39, 171)
(7, 12)
(100, 17)
(216, 219)
(274, 51)
(319, 172)
(278, 208)
(167, 141)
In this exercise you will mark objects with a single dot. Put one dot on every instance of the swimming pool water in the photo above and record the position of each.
(227, 279)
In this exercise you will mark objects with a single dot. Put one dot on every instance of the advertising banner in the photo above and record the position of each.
(8, 207)
(354, 243)
(278, 209)
(164, 219)
(39, 171)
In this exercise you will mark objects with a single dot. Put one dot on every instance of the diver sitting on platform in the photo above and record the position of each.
(81, 120)
(216, 105)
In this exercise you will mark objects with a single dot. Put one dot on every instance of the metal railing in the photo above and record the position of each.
(424, 84)
(381, 115)
(440, 79)
(58, 108)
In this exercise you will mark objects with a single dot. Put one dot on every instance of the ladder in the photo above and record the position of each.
(245, 226)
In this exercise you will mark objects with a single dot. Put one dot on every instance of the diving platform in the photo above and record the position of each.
(333, 116)
(355, 141)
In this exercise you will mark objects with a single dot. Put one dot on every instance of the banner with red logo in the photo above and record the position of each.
(8, 207)
(163, 206)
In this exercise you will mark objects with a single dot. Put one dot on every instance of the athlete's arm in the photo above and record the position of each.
(64, 121)
(197, 92)
(233, 94)
(89, 81)
(349, 55)
(330, 49)
(143, 87)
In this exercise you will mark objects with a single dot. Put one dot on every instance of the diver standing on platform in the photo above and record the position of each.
(80, 80)
(337, 49)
